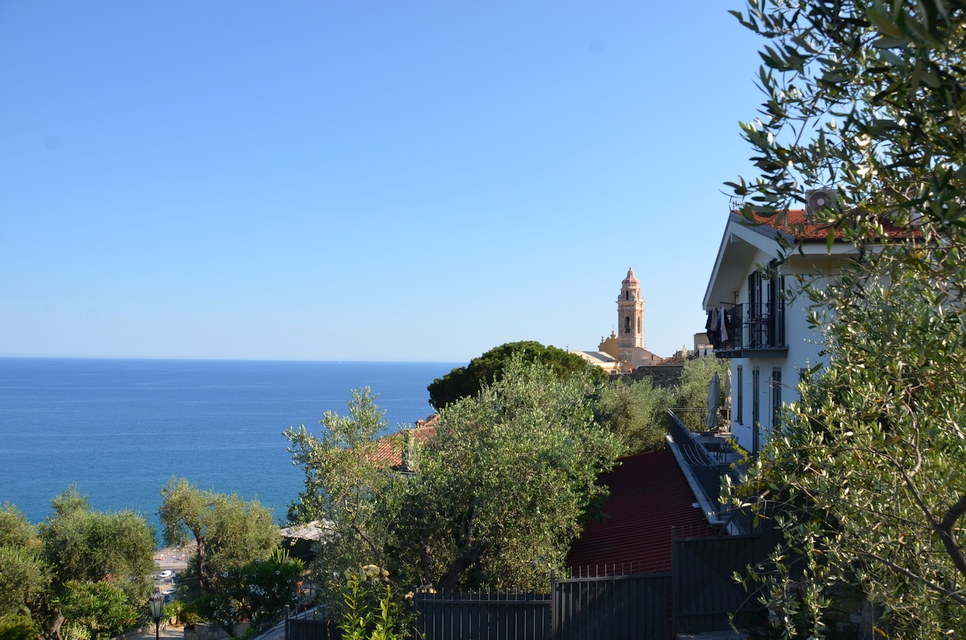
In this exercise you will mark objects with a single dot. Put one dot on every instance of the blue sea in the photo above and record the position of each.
(120, 429)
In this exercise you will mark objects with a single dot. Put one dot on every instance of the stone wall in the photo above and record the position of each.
(204, 632)
(665, 375)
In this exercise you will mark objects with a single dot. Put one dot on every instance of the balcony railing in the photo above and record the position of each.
(708, 460)
(755, 331)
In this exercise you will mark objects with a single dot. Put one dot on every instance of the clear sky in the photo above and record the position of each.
(361, 180)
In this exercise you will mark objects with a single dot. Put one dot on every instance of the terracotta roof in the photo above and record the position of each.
(389, 448)
(798, 225)
(631, 278)
(649, 495)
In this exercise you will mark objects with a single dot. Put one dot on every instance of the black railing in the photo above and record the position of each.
(708, 469)
(758, 326)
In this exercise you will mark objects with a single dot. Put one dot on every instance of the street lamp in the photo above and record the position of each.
(157, 610)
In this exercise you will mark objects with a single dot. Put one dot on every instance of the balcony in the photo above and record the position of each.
(705, 458)
(755, 331)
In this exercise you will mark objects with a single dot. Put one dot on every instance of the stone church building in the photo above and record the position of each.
(624, 350)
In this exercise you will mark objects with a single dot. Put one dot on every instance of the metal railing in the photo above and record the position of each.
(759, 326)
(707, 467)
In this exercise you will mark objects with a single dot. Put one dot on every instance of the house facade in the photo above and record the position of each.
(756, 319)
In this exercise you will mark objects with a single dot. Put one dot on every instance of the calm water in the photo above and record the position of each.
(121, 428)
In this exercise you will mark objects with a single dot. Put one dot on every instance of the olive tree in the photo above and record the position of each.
(24, 576)
(98, 561)
(869, 98)
(228, 532)
(349, 490)
(493, 499)
(635, 412)
(504, 485)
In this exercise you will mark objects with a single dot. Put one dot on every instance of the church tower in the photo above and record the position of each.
(630, 314)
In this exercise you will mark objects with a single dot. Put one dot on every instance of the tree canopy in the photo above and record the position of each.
(349, 490)
(496, 496)
(634, 412)
(508, 478)
(76, 555)
(24, 576)
(466, 381)
(228, 531)
(869, 98)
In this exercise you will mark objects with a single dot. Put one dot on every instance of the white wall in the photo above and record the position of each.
(804, 345)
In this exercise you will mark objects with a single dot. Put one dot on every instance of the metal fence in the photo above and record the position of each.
(306, 626)
(705, 595)
(483, 616)
(698, 594)
(612, 607)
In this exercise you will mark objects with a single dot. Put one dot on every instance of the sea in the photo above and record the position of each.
(119, 430)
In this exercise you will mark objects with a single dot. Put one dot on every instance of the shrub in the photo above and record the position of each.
(17, 626)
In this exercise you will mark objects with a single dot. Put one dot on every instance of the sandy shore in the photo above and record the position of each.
(174, 559)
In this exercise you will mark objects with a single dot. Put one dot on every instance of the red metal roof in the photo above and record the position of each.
(649, 495)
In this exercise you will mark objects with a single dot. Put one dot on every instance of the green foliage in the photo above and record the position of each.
(500, 491)
(89, 546)
(868, 466)
(506, 481)
(16, 626)
(15, 530)
(692, 390)
(255, 593)
(634, 412)
(100, 607)
(24, 576)
(189, 613)
(339, 462)
(870, 98)
(348, 490)
(867, 97)
(371, 609)
(466, 381)
(228, 531)
(24, 580)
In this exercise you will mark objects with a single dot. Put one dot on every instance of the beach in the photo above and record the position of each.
(173, 560)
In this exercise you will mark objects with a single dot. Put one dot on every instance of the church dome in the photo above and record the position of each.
(631, 278)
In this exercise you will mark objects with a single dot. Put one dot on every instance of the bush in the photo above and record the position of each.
(17, 626)
(372, 612)
(255, 593)
(634, 412)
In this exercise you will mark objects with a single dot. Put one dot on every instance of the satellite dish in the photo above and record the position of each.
(820, 199)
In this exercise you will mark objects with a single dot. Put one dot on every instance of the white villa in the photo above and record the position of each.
(758, 323)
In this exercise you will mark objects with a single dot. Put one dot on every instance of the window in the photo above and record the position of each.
(776, 395)
(740, 400)
(765, 315)
(627, 324)
(755, 409)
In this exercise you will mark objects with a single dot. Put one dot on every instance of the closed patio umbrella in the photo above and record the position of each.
(714, 393)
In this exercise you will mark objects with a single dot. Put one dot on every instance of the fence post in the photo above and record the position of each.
(553, 601)
(672, 600)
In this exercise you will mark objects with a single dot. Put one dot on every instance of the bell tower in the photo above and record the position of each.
(630, 314)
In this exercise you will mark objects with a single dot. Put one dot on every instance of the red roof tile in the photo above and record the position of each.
(797, 224)
(389, 448)
(649, 495)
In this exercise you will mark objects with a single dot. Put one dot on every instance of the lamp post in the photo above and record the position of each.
(157, 610)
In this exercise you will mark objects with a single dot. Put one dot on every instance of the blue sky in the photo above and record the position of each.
(363, 180)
